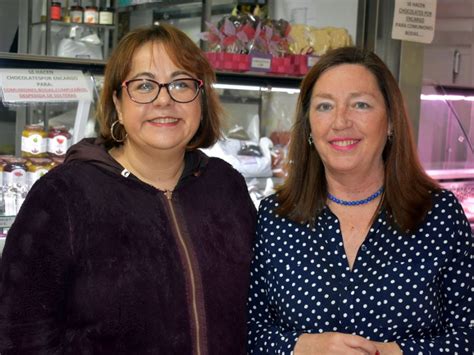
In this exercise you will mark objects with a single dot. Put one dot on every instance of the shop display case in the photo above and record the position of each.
(445, 140)
(44, 108)
(60, 29)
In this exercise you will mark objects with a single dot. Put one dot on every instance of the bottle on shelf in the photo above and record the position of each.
(33, 141)
(76, 13)
(91, 14)
(56, 11)
(36, 168)
(106, 16)
(15, 186)
(59, 140)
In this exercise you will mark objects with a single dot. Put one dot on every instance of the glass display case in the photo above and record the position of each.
(445, 139)
(44, 108)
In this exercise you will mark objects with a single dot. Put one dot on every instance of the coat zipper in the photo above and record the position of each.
(169, 195)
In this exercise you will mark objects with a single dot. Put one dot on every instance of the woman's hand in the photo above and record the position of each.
(334, 343)
(388, 348)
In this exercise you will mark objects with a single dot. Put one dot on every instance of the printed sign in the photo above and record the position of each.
(43, 85)
(414, 20)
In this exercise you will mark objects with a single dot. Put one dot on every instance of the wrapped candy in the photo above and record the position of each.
(248, 34)
(313, 40)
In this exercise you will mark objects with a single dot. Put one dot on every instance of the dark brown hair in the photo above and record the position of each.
(407, 194)
(185, 54)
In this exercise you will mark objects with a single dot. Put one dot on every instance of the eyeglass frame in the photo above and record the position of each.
(160, 85)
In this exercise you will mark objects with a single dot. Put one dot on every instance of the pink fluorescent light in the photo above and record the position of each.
(446, 98)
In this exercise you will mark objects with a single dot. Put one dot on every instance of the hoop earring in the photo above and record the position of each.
(112, 127)
(310, 139)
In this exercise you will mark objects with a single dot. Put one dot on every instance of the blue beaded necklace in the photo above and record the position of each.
(357, 202)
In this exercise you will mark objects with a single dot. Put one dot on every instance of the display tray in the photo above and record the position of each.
(461, 183)
(464, 191)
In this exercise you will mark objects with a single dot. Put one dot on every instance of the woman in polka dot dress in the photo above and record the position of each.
(359, 252)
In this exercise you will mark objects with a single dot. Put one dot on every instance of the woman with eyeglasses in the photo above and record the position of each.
(139, 243)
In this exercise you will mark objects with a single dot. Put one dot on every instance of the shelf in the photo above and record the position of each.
(123, 6)
(71, 24)
(259, 79)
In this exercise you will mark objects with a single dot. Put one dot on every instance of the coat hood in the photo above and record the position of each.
(94, 151)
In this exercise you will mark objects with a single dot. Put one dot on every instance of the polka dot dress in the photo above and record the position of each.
(414, 289)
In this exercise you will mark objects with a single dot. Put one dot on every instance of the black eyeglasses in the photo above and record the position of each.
(144, 91)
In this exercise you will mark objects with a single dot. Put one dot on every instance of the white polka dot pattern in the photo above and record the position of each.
(414, 289)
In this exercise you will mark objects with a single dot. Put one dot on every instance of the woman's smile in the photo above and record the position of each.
(344, 143)
(164, 121)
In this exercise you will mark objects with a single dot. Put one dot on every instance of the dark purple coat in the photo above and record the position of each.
(100, 263)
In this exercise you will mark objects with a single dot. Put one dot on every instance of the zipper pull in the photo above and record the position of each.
(168, 194)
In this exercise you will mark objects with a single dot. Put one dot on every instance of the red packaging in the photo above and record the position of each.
(299, 64)
(293, 64)
(229, 61)
(281, 65)
(55, 11)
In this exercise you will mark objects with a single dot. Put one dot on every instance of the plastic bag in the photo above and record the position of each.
(88, 47)
(248, 165)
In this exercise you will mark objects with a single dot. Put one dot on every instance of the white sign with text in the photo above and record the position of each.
(414, 20)
(43, 85)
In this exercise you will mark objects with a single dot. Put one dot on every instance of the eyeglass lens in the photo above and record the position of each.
(146, 91)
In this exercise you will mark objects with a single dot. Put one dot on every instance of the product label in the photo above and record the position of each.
(58, 145)
(91, 16)
(33, 176)
(76, 16)
(106, 18)
(312, 60)
(260, 63)
(10, 204)
(34, 144)
(14, 177)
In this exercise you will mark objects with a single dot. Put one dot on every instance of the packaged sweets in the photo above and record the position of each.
(14, 172)
(91, 14)
(59, 140)
(36, 168)
(76, 13)
(106, 16)
(15, 187)
(33, 141)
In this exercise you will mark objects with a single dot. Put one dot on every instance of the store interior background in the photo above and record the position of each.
(427, 73)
